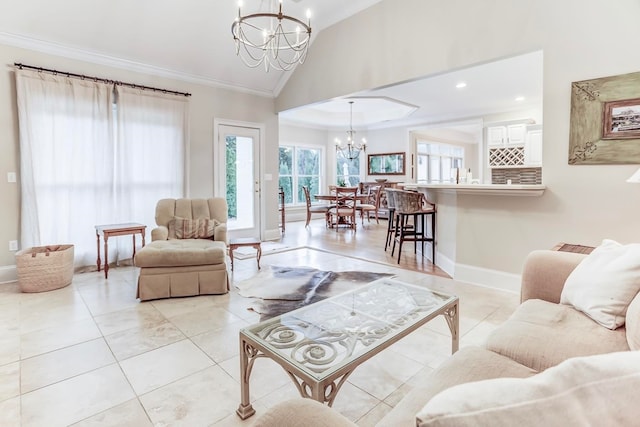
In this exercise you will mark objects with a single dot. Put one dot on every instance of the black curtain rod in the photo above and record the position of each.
(98, 79)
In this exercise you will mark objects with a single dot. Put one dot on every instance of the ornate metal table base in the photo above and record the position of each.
(323, 391)
(319, 346)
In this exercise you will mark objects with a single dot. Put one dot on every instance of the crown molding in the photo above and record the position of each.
(58, 49)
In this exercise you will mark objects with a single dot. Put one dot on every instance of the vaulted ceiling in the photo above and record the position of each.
(189, 39)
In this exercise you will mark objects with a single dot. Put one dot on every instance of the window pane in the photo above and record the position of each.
(306, 172)
(308, 161)
(286, 160)
(347, 171)
(286, 173)
(446, 166)
(440, 161)
(312, 182)
(434, 169)
(422, 174)
(286, 182)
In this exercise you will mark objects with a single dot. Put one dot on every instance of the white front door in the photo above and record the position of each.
(238, 178)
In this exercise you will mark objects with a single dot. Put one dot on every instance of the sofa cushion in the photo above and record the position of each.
(468, 364)
(184, 228)
(595, 390)
(301, 412)
(633, 324)
(540, 334)
(604, 283)
(185, 252)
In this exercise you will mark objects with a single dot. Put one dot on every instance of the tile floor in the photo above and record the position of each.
(91, 354)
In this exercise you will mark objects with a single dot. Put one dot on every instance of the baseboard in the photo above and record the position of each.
(494, 279)
(8, 274)
(445, 264)
(273, 234)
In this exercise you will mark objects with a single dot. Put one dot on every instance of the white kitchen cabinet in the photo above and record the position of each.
(496, 135)
(514, 134)
(533, 148)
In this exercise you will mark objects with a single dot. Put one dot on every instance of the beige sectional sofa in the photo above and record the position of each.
(187, 254)
(530, 372)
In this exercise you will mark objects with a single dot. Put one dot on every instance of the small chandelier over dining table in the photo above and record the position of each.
(276, 40)
(350, 149)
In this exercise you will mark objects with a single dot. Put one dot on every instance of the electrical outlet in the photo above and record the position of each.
(13, 245)
(11, 177)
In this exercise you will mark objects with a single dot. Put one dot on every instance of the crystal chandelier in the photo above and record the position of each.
(350, 149)
(276, 40)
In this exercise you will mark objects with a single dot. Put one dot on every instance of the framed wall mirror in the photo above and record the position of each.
(386, 164)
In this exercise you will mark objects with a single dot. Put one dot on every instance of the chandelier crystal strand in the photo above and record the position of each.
(276, 40)
(350, 149)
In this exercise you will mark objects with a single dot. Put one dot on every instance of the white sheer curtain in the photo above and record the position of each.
(82, 165)
(66, 160)
(152, 130)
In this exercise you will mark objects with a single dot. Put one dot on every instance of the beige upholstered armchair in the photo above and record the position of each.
(187, 255)
(167, 210)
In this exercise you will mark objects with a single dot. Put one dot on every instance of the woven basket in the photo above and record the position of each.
(44, 268)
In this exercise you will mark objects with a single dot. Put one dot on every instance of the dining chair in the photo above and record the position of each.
(323, 209)
(370, 205)
(343, 212)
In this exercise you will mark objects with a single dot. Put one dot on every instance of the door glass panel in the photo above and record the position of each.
(285, 179)
(240, 182)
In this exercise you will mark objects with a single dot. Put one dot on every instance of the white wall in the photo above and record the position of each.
(206, 104)
(408, 39)
(391, 140)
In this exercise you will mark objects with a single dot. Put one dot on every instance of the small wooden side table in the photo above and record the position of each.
(109, 230)
(246, 241)
(570, 247)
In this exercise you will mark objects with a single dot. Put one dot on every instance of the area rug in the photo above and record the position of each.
(268, 248)
(277, 290)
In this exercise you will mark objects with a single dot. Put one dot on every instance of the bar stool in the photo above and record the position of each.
(393, 220)
(391, 206)
(414, 205)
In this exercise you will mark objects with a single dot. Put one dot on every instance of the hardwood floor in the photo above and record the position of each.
(366, 242)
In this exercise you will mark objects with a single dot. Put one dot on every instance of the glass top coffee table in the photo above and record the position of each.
(320, 345)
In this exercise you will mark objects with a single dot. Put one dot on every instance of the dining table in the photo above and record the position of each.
(360, 198)
(332, 197)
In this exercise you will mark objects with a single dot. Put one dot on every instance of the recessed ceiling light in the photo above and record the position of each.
(520, 98)
(461, 85)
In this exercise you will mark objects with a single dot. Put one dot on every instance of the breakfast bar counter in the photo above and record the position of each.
(472, 213)
(481, 189)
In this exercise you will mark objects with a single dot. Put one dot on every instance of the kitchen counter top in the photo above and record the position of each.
(484, 189)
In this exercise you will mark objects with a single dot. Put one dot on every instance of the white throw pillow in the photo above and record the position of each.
(603, 285)
(593, 390)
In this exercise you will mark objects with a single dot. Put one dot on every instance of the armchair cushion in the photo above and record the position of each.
(181, 252)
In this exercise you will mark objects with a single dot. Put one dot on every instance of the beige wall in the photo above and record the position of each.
(206, 104)
(404, 39)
